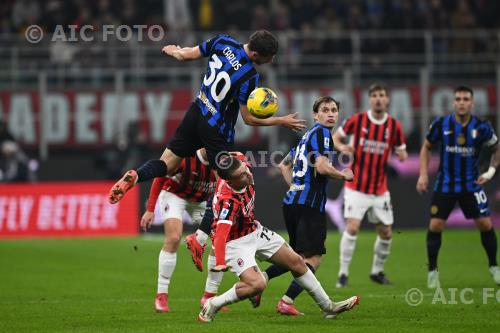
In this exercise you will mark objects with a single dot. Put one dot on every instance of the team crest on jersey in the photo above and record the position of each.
(386, 134)
(240, 262)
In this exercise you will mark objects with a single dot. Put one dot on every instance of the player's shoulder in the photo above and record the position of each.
(481, 123)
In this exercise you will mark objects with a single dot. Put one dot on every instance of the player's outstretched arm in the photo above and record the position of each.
(290, 121)
(324, 167)
(494, 164)
(182, 54)
(425, 156)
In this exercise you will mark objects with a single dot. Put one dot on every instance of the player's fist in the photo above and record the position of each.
(348, 175)
(422, 183)
(220, 268)
(402, 154)
(147, 220)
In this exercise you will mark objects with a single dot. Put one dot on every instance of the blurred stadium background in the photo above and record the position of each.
(76, 111)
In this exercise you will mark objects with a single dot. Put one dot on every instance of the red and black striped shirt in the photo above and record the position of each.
(373, 141)
(236, 207)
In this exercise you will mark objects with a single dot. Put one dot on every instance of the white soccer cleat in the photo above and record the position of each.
(433, 279)
(208, 311)
(337, 308)
(495, 273)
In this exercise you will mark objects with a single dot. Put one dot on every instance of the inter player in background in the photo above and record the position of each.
(239, 238)
(374, 135)
(460, 137)
(306, 169)
(193, 183)
(209, 123)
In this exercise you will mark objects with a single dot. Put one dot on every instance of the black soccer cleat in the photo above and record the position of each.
(380, 278)
(342, 281)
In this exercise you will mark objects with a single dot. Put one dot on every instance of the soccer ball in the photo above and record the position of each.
(262, 103)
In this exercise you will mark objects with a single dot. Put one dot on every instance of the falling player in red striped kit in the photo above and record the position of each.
(239, 238)
(189, 188)
(374, 135)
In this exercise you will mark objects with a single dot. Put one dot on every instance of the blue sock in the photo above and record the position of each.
(151, 169)
(275, 271)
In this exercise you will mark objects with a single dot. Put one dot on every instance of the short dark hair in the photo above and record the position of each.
(264, 43)
(463, 89)
(376, 87)
(227, 165)
(324, 99)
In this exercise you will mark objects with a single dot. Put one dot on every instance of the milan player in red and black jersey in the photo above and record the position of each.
(189, 189)
(239, 238)
(374, 135)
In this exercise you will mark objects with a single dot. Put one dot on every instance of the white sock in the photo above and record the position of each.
(381, 251)
(201, 237)
(229, 297)
(347, 246)
(166, 266)
(214, 278)
(310, 283)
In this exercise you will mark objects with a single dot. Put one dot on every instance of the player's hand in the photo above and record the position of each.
(291, 121)
(170, 49)
(147, 220)
(346, 149)
(348, 175)
(220, 268)
(401, 154)
(481, 180)
(422, 183)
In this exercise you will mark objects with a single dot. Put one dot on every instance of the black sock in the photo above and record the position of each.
(294, 289)
(208, 218)
(151, 169)
(433, 245)
(489, 241)
(275, 271)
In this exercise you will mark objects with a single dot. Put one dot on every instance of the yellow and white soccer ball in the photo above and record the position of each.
(262, 103)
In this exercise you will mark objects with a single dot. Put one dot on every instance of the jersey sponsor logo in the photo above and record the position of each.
(231, 58)
(203, 98)
(373, 146)
(464, 151)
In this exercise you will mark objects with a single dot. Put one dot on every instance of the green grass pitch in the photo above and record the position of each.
(108, 285)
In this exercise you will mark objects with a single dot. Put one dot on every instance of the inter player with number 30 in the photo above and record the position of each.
(209, 123)
(460, 137)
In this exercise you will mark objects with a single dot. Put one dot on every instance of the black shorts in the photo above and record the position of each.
(473, 204)
(306, 228)
(194, 133)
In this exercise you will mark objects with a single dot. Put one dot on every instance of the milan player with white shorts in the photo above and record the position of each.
(239, 238)
(374, 135)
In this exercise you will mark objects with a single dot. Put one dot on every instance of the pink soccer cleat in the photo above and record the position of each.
(122, 186)
(196, 251)
(161, 303)
(287, 309)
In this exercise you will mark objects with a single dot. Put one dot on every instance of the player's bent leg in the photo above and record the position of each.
(436, 228)
(381, 251)
(489, 242)
(347, 246)
(251, 283)
(167, 261)
(213, 281)
(171, 160)
(196, 242)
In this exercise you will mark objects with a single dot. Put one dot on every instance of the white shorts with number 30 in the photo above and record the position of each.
(378, 207)
(241, 252)
(170, 206)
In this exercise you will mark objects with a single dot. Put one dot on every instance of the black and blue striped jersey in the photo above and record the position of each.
(230, 76)
(309, 187)
(459, 152)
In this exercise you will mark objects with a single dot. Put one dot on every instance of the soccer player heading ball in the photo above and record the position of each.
(210, 122)
(460, 137)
